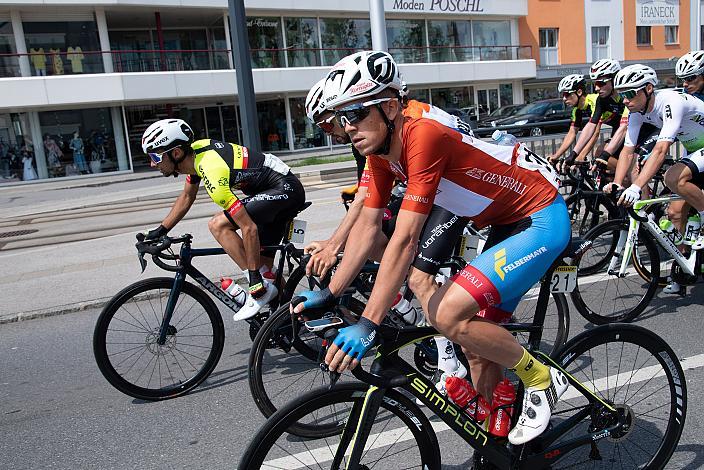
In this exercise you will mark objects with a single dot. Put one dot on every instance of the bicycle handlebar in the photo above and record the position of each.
(156, 248)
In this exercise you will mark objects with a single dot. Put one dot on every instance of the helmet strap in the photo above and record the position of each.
(390, 127)
(647, 101)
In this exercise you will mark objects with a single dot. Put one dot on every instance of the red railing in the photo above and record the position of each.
(155, 60)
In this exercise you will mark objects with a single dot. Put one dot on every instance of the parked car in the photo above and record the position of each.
(547, 116)
(496, 115)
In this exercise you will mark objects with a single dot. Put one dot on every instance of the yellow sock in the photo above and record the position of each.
(532, 373)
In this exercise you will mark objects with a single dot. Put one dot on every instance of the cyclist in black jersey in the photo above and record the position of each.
(437, 241)
(574, 93)
(609, 109)
(273, 196)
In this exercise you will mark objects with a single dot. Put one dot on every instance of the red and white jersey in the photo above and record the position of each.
(491, 184)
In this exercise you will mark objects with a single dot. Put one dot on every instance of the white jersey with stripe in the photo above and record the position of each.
(678, 116)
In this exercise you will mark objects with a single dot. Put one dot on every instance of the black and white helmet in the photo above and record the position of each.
(572, 83)
(692, 63)
(403, 92)
(166, 135)
(635, 76)
(361, 75)
(604, 68)
(314, 101)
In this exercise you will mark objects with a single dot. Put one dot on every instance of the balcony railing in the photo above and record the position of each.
(125, 61)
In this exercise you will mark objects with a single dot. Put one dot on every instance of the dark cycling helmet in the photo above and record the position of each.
(166, 135)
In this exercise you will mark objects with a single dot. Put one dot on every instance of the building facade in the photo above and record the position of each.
(570, 35)
(80, 81)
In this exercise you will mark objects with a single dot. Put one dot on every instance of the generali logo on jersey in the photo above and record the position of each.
(508, 182)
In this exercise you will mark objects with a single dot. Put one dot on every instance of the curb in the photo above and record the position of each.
(72, 308)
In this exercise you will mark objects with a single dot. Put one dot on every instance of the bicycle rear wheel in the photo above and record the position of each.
(125, 340)
(556, 328)
(636, 372)
(401, 436)
(601, 297)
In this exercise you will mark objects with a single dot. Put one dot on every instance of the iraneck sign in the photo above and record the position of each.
(657, 12)
(471, 7)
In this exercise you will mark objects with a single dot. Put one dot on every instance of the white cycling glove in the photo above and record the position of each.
(631, 195)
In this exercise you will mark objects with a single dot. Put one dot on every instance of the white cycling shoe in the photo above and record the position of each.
(672, 288)
(440, 377)
(252, 306)
(537, 409)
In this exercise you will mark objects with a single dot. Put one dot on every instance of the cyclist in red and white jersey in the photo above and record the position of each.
(511, 189)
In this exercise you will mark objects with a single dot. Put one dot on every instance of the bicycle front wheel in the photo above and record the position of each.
(401, 436)
(636, 372)
(126, 347)
(603, 297)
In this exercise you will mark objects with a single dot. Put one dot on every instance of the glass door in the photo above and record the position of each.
(487, 101)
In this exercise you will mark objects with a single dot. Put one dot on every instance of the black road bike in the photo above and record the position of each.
(625, 408)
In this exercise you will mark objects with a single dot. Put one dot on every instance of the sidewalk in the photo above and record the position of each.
(58, 279)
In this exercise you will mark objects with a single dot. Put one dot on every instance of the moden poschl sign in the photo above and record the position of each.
(657, 12)
(471, 7)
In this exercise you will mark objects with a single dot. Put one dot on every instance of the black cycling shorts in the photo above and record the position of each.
(647, 137)
(273, 208)
(695, 163)
(440, 233)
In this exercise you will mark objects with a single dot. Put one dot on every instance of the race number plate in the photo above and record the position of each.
(564, 279)
(298, 231)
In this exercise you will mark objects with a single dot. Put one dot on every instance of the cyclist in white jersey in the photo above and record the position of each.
(679, 117)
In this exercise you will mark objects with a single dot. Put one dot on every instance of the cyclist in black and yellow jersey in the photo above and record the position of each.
(274, 196)
(574, 93)
(608, 109)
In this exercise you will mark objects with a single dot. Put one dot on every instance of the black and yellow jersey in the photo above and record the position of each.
(610, 111)
(585, 111)
(224, 167)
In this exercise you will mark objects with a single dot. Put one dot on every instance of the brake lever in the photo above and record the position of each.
(334, 376)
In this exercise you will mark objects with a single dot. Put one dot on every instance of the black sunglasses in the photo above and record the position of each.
(356, 112)
(690, 78)
(601, 83)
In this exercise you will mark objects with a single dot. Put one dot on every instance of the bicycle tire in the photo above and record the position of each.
(301, 370)
(600, 311)
(560, 319)
(586, 357)
(139, 293)
(342, 397)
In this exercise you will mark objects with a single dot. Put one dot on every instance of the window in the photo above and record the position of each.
(548, 46)
(273, 128)
(305, 133)
(492, 33)
(265, 41)
(450, 41)
(78, 141)
(600, 43)
(406, 39)
(672, 34)
(643, 36)
(342, 37)
(451, 99)
(302, 42)
(506, 93)
(419, 94)
(16, 151)
(9, 65)
(64, 47)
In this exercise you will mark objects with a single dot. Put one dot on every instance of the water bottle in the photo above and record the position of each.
(670, 230)
(407, 311)
(691, 231)
(504, 138)
(502, 401)
(234, 290)
(463, 395)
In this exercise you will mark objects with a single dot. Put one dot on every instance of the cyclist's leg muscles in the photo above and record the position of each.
(686, 178)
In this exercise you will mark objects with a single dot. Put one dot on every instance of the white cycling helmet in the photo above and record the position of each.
(166, 135)
(403, 92)
(604, 68)
(314, 101)
(572, 83)
(361, 75)
(692, 63)
(635, 76)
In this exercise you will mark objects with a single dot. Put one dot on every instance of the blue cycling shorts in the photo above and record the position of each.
(503, 273)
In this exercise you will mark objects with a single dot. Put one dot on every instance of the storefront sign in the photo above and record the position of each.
(657, 12)
(475, 7)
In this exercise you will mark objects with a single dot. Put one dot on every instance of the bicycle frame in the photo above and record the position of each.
(186, 269)
(389, 370)
(627, 241)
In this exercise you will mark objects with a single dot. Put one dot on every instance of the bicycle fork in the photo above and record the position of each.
(357, 428)
(165, 328)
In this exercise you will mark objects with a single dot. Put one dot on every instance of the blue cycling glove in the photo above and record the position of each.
(357, 339)
(317, 298)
